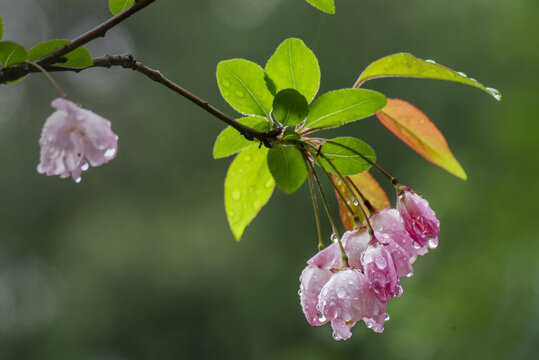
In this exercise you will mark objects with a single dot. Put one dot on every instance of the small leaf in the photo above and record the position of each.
(287, 165)
(327, 6)
(117, 6)
(371, 191)
(248, 187)
(413, 127)
(78, 59)
(243, 86)
(407, 65)
(290, 107)
(339, 107)
(294, 66)
(230, 141)
(11, 53)
(349, 155)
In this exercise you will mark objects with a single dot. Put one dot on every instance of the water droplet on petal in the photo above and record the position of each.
(387, 317)
(85, 166)
(369, 325)
(416, 245)
(462, 74)
(78, 180)
(381, 262)
(410, 274)
(433, 243)
(299, 292)
(336, 337)
(341, 293)
(321, 318)
(109, 153)
(236, 194)
(494, 92)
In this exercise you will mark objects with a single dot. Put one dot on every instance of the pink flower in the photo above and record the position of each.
(381, 272)
(312, 280)
(354, 243)
(419, 219)
(74, 138)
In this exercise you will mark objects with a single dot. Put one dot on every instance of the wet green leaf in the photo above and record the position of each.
(248, 187)
(243, 86)
(230, 141)
(407, 65)
(11, 53)
(290, 107)
(288, 167)
(327, 6)
(294, 66)
(117, 6)
(79, 58)
(349, 155)
(339, 107)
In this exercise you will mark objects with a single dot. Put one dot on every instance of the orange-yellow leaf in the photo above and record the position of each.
(369, 188)
(413, 127)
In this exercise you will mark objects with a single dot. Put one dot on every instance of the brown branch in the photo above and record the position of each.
(98, 31)
(127, 61)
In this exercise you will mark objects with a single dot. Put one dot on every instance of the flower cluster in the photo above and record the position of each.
(361, 289)
(74, 138)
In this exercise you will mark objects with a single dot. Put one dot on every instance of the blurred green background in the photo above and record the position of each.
(137, 261)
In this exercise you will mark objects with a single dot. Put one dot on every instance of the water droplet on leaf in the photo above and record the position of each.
(462, 74)
(236, 194)
(226, 83)
(494, 92)
(240, 94)
(430, 61)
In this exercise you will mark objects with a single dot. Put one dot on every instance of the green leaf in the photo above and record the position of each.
(339, 107)
(230, 141)
(287, 165)
(349, 155)
(11, 53)
(117, 6)
(327, 6)
(248, 187)
(78, 59)
(243, 86)
(290, 107)
(1, 28)
(294, 66)
(407, 65)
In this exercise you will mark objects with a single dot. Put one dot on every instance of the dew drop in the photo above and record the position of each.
(232, 214)
(369, 325)
(355, 202)
(240, 94)
(433, 243)
(247, 158)
(334, 237)
(78, 180)
(494, 92)
(85, 166)
(109, 153)
(410, 274)
(473, 79)
(462, 74)
(430, 61)
(226, 83)
(336, 337)
(299, 292)
(381, 262)
(269, 183)
(321, 318)
(341, 293)
(236, 194)
(387, 317)
(416, 245)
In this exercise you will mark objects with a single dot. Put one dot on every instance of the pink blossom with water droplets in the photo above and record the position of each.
(419, 219)
(312, 280)
(381, 272)
(74, 138)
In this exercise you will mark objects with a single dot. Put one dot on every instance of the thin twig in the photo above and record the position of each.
(98, 31)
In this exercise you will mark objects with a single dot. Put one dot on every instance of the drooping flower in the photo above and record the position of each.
(381, 272)
(354, 243)
(312, 280)
(74, 138)
(419, 219)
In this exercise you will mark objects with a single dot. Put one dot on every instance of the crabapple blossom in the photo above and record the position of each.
(74, 138)
(419, 219)
(312, 280)
(381, 272)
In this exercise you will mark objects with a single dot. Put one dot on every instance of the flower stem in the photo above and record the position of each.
(40, 68)
(315, 206)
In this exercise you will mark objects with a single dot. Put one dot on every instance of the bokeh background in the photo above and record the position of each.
(137, 261)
